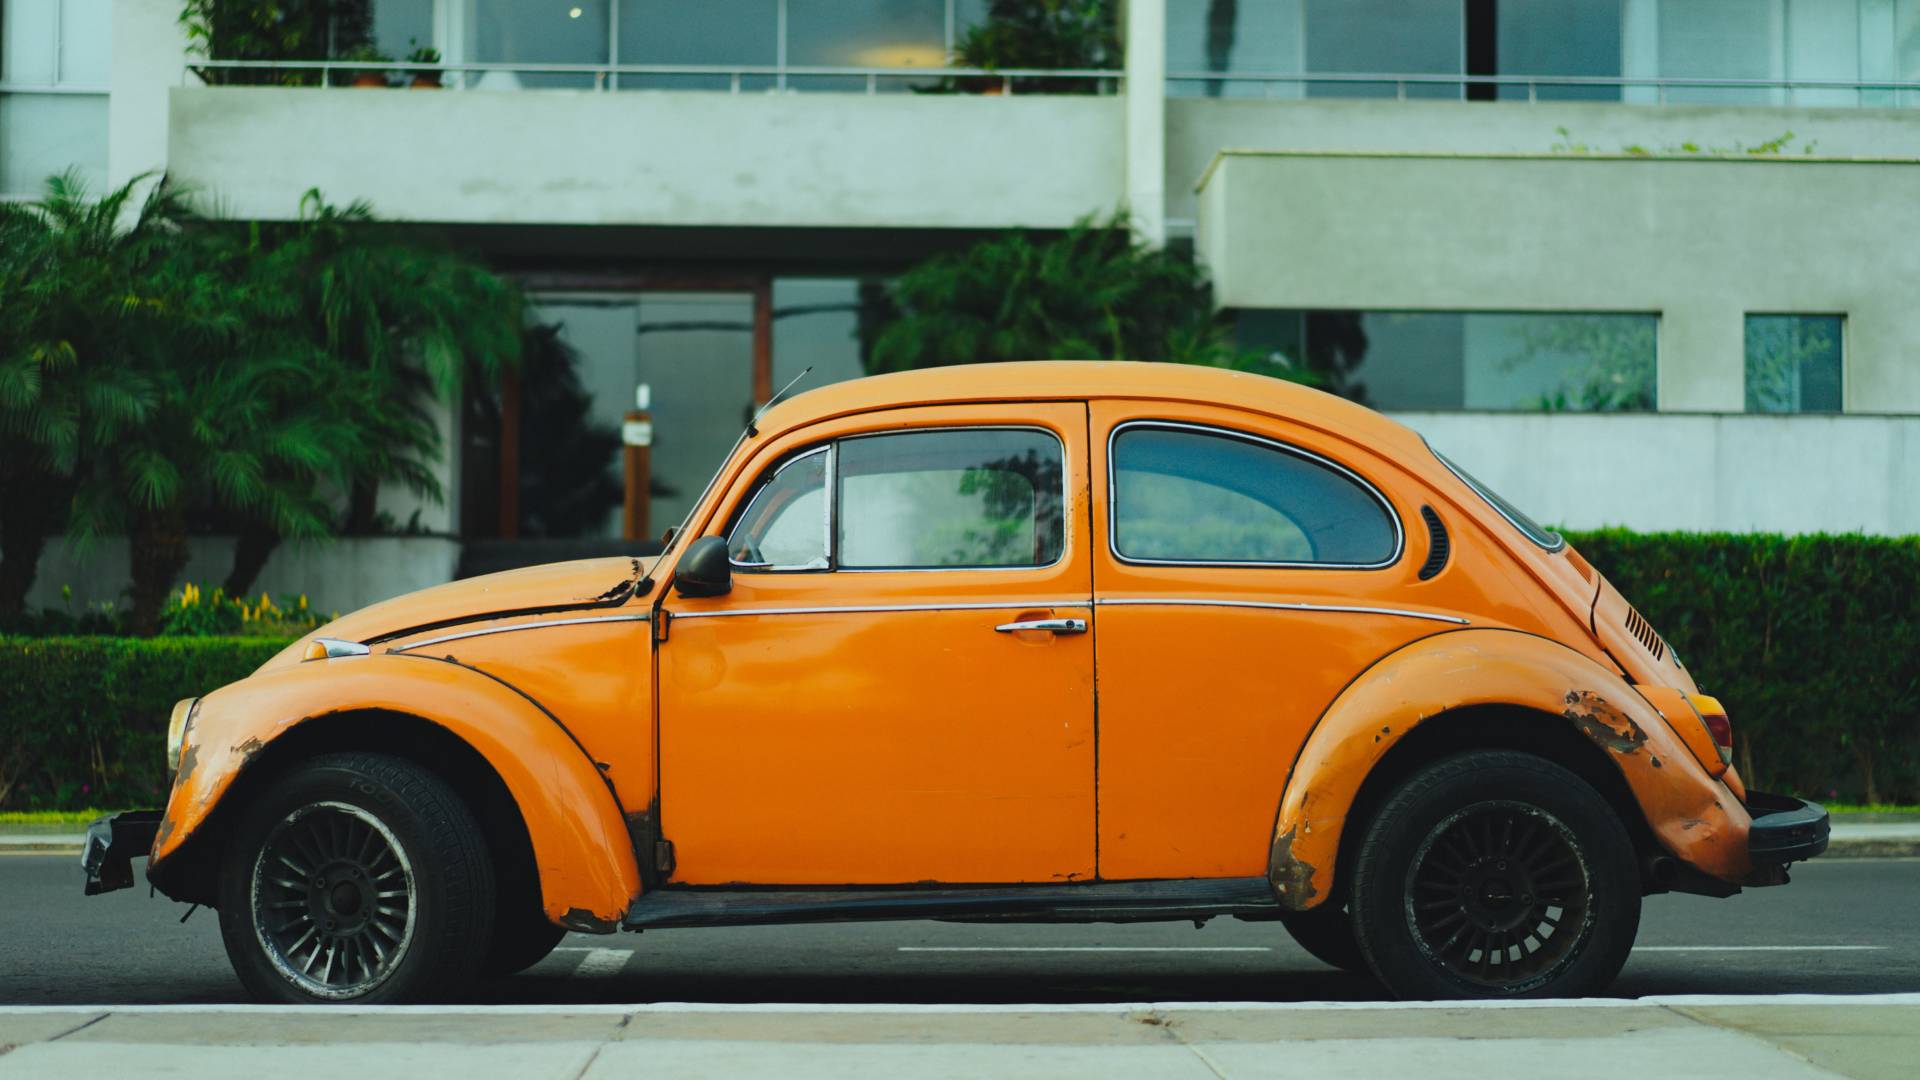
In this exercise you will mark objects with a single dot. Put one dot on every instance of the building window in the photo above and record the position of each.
(1556, 37)
(1793, 363)
(1414, 37)
(1576, 362)
(54, 63)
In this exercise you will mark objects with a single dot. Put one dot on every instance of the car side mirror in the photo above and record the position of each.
(705, 569)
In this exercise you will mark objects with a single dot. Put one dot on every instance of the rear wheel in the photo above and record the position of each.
(521, 939)
(356, 877)
(1495, 874)
(1327, 933)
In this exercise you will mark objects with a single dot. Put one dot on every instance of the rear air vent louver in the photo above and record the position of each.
(1438, 546)
(1643, 632)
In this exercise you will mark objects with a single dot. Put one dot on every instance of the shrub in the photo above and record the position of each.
(84, 719)
(1812, 643)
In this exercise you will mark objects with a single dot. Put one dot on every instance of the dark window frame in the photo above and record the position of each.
(1113, 499)
(834, 518)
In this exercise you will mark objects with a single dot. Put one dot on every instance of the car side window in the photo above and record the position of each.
(784, 526)
(962, 497)
(1186, 494)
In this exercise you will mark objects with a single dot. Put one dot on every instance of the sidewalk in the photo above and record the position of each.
(1855, 836)
(1703, 1038)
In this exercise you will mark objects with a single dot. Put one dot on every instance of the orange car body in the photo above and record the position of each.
(871, 728)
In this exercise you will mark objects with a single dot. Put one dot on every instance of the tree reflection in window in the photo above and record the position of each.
(960, 498)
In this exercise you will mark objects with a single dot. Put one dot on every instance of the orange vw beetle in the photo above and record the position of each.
(1018, 642)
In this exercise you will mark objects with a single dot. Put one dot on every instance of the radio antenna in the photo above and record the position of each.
(753, 425)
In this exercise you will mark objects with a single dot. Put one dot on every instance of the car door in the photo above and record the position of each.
(1245, 570)
(864, 706)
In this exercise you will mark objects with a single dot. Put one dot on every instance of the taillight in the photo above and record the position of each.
(1714, 715)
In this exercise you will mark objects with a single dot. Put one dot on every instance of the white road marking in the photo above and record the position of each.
(600, 963)
(821, 1009)
(1758, 948)
(1084, 948)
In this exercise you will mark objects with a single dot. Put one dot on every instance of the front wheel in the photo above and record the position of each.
(356, 877)
(1495, 874)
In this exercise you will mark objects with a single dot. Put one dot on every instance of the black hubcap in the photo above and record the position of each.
(333, 899)
(1499, 895)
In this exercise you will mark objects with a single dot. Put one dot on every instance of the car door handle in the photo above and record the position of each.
(1058, 626)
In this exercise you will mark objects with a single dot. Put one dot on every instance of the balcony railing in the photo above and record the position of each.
(1651, 89)
(740, 78)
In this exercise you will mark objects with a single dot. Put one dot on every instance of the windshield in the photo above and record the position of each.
(1535, 532)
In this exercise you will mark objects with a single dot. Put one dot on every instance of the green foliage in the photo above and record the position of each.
(1812, 642)
(272, 30)
(155, 365)
(1060, 35)
(1777, 146)
(84, 719)
(1095, 293)
(196, 612)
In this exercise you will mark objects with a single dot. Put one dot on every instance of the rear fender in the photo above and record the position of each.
(588, 874)
(1694, 816)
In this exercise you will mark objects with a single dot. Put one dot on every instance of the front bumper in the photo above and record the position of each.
(112, 845)
(1784, 830)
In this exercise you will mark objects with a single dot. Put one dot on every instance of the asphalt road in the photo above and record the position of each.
(1842, 927)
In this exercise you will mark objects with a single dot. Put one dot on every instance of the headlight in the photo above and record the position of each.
(177, 731)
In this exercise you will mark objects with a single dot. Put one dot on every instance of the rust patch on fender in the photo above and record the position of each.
(625, 588)
(1598, 719)
(248, 749)
(189, 759)
(582, 921)
(1291, 877)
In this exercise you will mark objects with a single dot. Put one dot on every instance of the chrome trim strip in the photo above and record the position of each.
(1275, 605)
(484, 631)
(1113, 500)
(856, 609)
(1486, 496)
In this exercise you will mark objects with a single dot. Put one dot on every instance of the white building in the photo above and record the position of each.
(1681, 225)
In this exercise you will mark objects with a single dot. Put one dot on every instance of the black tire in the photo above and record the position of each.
(1327, 933)
(380, 873)
(1495, 874)
(521, 939)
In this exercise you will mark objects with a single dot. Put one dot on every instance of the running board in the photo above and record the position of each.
(1099, 901)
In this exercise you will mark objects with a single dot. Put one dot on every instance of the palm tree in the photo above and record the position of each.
(77, 311)
(404, 321)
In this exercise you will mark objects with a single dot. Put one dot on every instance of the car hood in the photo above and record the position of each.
(569, 586)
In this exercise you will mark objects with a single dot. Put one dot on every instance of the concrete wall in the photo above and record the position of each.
(655, 158)
(338, 576)
(1790, 474)
(1198, 128)
(1702, 241)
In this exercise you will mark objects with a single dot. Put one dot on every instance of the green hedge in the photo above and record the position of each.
(83, 720)
(1812, 643)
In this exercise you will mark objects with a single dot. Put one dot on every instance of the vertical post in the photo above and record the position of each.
(763, 340)
(636, 436)
(1146, 94)
(510, 455)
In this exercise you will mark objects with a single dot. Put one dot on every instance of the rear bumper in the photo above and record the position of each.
(1784, 830)
(112, 845)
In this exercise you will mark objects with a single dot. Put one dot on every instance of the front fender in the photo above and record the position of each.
(588, 876)
(1693, 815)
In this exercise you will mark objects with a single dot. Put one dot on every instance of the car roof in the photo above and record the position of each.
(1078, 380)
